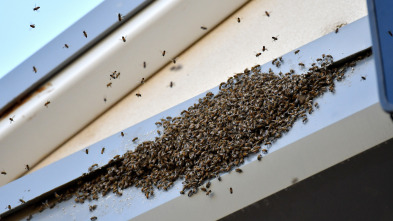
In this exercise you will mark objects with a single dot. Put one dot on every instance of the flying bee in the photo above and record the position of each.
(12, 119)
(123, 38)
(136, 138)
(109, 84)
(363, 78)
(27, 167)
(203, 28)
(297, 51)
(258, 54)
(119, 17)
(85, 34)
(103, 150)
(275, 38)
(230, 190)
(34, 69)
(47, 103)
(390, 33)
(36, 8)
(32, 25)
(264, 49)
(138, 95)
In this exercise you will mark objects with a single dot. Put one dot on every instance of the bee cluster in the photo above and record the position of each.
(250, 111)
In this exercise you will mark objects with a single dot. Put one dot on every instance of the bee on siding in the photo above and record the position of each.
(138, 95)
(275, 38)
(297, 51)
(136, 138)
(230, 190)
(87, 151)
(66, 46)
(123, 38)
(85, 34)
(238, 20)
(267, 13)
(203, 28)
(47, 103)
(34, 69)
(103, 150)
(119, 17)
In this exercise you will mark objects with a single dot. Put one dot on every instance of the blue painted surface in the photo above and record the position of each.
(381, 24)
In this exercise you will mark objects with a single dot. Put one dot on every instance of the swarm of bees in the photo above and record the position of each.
(264, 107)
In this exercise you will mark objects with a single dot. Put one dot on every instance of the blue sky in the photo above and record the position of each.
(18, 40)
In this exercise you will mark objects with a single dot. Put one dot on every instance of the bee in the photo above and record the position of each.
(36, 8)
(301, 64)
(208, 184)
(103, 150)
(57, 195)
(122, 134)
(190, 193)
(230, 190)
(203, 28)
(144, 64)
(32, 25)
(123, 38)
(319, 59)
(9, 206)
(87, 151)
(109, 84)
(274, 60)
(92, 167)
(119, 17)
(158, 123)
(105, 99)
(163, 53)
(294, 180)
(92, 208)
(390, 33)
(138, 95)
(93, 218)
(297, 51)
(275, 38)
(158, 132)
(336, 30)
(264, 151)
(113, 75)
(258, 54)
(174, 60)
(22, 201)
(136, 138)
(85, 34)
(316, 105)
(239, 170)
(171, 84)
(34, 69)
(363, 78)
(259, 157)
(305, 120)
(12, 119)
(182, 192)
(238, 20)
(208, 192)
(219, 178)
(66, 46)
(3, 172)
(203, 189)
(264, 49)
(27, 167)
(267, 13)
(47, 103)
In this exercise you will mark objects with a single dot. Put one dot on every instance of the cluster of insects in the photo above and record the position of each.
(204, 141)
